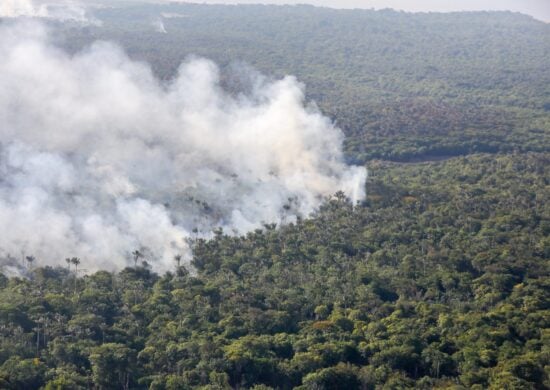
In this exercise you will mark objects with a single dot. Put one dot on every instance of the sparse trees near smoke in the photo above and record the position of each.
(177, 259)
(136, 256)
(75, 261)
(30, 260)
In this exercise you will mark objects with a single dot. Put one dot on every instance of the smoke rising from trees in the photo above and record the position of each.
(98, 158)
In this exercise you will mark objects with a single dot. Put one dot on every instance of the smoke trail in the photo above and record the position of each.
(158, 24)
(63, 10)
(98, 158)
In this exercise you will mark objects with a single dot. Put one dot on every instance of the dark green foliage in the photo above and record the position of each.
(439, 279)
(402, 87)
(18, 373)
(112, 365)
(338, 377)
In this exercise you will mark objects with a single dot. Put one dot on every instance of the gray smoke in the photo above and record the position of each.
(98, 158)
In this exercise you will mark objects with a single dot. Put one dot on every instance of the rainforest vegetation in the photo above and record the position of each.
(439, 279)
(401, 86)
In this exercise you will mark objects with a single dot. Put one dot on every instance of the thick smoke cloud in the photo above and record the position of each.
(15, 8)
(98, 158)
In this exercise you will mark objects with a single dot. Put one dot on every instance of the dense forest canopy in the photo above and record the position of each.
(401, 86)
(438, 280)
(424, 286)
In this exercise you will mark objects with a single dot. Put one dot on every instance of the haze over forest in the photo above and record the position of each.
(201, 196)
(539, 9)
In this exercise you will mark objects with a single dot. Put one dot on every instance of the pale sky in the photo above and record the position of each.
(539, 9)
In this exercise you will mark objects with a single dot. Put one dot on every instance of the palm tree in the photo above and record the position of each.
(76, 262)
(137, 254)
(177, 258)
(68, 261)
(30, 260)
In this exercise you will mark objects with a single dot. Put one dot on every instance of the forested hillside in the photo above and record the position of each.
(438, 280)
(401, 86)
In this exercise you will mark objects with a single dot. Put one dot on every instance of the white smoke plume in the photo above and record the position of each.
(173, 15)
(63, 10)
(15, 8)
(159, 26)
(98, 158)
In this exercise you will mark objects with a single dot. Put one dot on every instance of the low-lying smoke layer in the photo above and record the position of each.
(98, 158)
(64, 10)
